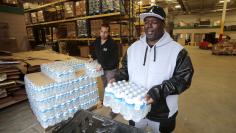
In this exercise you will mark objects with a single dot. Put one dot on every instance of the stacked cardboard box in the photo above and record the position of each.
(60, 12)
(51, 15)
(71, 30)
(27, 18)
(28, 5)
(118, 29)
(80, 8)
(11, 2)
(61, 31)
(115, 29)
(84, 51)
(95, 27)
(40, 16)
(34, 17)
(69, 9)
(124, 30)
(30, 33)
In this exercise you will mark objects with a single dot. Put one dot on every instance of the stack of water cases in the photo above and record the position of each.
(82, 28)
(107, 6)
(60, 90)
(94, 7)
(127, 99)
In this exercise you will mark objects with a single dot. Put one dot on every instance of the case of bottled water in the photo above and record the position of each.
(127, 99)
(62, 70)
(54, 101)
(91, 69)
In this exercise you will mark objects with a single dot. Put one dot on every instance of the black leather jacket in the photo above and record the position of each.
(180, 81)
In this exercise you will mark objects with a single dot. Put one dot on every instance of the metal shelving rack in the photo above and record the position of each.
(116, 15)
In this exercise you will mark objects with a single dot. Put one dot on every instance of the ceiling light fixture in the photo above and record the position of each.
(222, 1)
(140, 3)
(177, 6)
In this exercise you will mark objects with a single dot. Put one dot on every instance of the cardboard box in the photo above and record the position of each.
(34, 17)
(62, 48)
(27, 18)
(69, 9)
(124, 30)
(30, 33)
(115, 29)
(95, 27)
(71, 30)
(84, 51)
(13, 2)
(40, 16)
(80, 8)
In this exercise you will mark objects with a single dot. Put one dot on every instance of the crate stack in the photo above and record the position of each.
(224, 48)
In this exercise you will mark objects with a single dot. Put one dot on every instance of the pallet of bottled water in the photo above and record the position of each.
(127, 99)
(91, 69)
(62, 70)
(53, 102)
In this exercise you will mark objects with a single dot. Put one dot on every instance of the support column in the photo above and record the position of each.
(223, 20)
(192, 39)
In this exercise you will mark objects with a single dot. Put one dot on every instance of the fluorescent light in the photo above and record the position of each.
(177, 6)
(140, 3)
(222, 1)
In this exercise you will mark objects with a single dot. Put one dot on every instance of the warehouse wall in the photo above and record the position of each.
(17, 28)
(229, 20)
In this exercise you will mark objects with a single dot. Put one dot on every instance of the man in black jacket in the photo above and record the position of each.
(162, 66)
(106, 53)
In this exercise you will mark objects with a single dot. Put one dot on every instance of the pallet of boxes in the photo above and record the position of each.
(224, 48)
(61, 89)
(12, 88)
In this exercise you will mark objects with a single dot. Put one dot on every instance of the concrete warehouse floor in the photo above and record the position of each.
(207, 107)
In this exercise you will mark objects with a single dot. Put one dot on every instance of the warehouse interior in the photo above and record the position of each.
(35, 33)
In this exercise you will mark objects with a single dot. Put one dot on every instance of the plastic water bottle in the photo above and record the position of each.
(108, 95)
(129, 106)
(117, 102)
(139, 109)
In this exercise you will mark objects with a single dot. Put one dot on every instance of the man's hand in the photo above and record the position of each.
(99, 68)
(112, 80)
(149, 99)
(90, 60)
